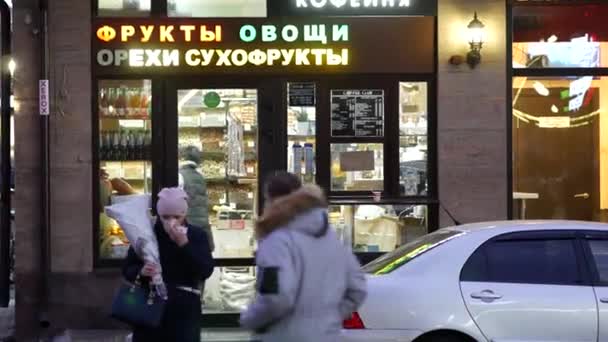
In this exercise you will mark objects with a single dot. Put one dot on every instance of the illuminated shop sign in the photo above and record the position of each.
(353, 7)
(353, 3)
(314, 46)
(173, 46)
(161, 33)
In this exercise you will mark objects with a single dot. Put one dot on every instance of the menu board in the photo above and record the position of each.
(357, 113)
(302, 94)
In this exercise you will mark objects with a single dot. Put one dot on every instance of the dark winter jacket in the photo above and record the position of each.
(183, 266)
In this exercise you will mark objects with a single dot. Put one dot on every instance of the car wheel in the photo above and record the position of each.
(445, 337)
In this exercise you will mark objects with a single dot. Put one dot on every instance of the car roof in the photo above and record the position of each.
(529, 225)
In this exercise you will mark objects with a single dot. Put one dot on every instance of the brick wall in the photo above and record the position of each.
(472, 114)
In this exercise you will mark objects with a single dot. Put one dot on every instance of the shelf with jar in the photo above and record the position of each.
(121, 102)
(125, 145)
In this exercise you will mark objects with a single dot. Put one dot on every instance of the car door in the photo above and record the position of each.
(530, 286)
(596, 247)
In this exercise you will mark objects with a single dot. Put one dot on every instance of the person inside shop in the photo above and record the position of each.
(193, 182)
(308, 281)
(185, 261)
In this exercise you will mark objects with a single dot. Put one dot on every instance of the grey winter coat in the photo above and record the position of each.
(308, 282)
(195, 186)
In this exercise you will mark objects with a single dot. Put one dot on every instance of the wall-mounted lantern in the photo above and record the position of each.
(476, 38)
(476, 32)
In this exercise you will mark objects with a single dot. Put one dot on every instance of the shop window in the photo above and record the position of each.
(217, 8)
(378, 228)
(125, 153)
(413, 134)
(218, 140)
(301, 130)
(569, 36)
(357, 167)
(560, 147)
(229, 290)
(124, 8)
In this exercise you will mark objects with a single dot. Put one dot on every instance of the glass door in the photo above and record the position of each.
(218, 167)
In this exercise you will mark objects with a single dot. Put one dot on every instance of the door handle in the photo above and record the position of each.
(604, 300)
(583, 196)
(486, 296)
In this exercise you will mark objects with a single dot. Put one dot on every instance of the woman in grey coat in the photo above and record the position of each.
(308, 282)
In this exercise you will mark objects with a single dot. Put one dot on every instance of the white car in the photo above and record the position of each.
(502, 281)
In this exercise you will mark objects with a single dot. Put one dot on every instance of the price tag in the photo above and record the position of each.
(250, 195)
(233, 205)
(248, 127)
(251, 143)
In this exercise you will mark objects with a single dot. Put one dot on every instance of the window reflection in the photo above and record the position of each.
(572, 36)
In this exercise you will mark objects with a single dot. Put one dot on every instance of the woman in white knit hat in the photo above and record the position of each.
(185, 259)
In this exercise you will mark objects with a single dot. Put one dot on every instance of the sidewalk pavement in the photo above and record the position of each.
(7, 323)
(208, 335)
(7, 330)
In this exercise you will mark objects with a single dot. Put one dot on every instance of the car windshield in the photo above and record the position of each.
(404, 254)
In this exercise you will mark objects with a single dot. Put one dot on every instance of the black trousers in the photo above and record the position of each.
(181, 322)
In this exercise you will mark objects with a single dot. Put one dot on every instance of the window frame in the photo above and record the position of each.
(583, 266)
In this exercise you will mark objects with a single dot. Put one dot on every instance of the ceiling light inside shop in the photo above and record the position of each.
(552, 39)
(554, 109)
(541, 89)
(191, 93)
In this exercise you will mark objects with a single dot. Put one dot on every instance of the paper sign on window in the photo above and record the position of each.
(357, 161)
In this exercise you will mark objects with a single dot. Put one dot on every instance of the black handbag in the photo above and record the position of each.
(138, 306)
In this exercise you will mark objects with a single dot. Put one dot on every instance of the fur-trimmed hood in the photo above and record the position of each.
(282, 211)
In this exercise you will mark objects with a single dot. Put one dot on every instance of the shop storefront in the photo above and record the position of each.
(373, 100)
(338, 95)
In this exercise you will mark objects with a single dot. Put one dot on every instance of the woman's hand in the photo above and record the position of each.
(150, 269)
(179, 235)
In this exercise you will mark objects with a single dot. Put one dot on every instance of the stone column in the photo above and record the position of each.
(26, 52)
(472, 114)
